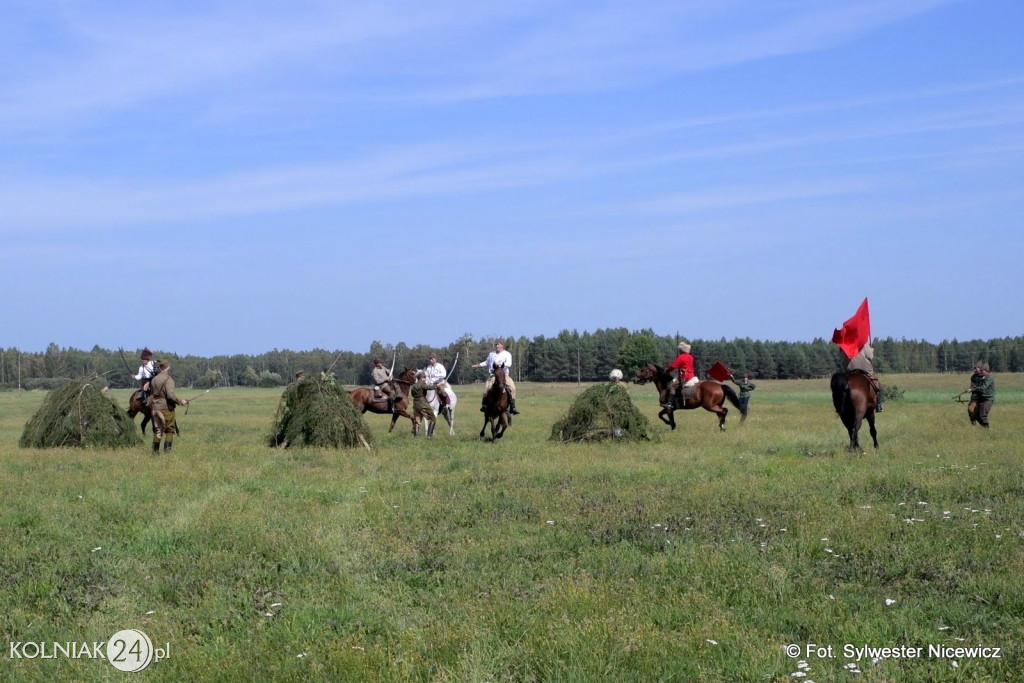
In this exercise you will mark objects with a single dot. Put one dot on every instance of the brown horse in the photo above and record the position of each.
(709, 395)
(136, 405)
(854, 399)
(496, 406)
(364, 400)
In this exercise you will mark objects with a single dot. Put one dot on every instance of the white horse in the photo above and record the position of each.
(449, 410)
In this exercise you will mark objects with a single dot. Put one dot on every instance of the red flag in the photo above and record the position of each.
(719, 372)
(855, 332)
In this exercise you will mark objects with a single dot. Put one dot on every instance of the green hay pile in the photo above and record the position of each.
(318, 412)
(602, 412)
(80, 414)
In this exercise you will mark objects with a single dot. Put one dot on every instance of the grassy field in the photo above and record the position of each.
(699, 556)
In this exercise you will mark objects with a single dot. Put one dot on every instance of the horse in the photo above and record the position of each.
(448, 411)
(854, 399)
(496, 402)
(136, 405)
(364, 400)
(709, 395)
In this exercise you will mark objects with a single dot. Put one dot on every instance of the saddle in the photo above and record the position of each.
(871, 378)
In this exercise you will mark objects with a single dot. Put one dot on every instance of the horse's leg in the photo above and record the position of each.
(484, 428)
(871, 424)
(854, 433)
(145, 419)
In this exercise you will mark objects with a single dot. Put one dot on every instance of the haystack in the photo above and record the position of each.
(317, 411)
(602, 412)
(80, 413)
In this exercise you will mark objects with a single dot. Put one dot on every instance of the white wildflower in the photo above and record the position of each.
(97, 548)
(713, 642)
(889, 601)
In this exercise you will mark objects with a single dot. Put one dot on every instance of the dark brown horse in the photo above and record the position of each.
(364, 400)
(709, 395)
(496, 406)
(136, 405)
(854, 399)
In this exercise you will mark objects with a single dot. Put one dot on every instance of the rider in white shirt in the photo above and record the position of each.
(147, 371)
(436, 376)
(499, 356)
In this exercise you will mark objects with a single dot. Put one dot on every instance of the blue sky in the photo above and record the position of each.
(234, 177)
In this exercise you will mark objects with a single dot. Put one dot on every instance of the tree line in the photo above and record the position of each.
(569, 356)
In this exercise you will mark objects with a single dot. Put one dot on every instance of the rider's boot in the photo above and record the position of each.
(167, 446)
(483, 405)
(512, 406)
(878, 401)
(156, 448)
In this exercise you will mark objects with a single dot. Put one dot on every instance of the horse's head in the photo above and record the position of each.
(408, 375)
(499, 373)
(647, 373)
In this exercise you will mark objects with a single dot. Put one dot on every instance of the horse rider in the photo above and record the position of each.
(983, 393)
(421, 409)
(862, 363)
(436, 377)
(383, 383)
(146, 373)
(499, 356)
(686, 379)
(164, 402)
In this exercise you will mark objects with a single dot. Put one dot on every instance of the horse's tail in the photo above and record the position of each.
(840, 389)
(730, 394)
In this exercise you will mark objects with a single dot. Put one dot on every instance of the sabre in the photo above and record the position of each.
(190, 400)
(454, 363)
(125, 361)
(393, 359)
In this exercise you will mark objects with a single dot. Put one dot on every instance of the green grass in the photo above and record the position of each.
(457, 560)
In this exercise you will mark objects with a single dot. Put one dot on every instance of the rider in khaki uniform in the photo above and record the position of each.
(164, 402)
(382, 384)
(862, 363)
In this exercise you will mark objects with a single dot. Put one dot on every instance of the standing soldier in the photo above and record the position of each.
(746, 386)
(421, 409)
(164, 402)
(983, 393)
